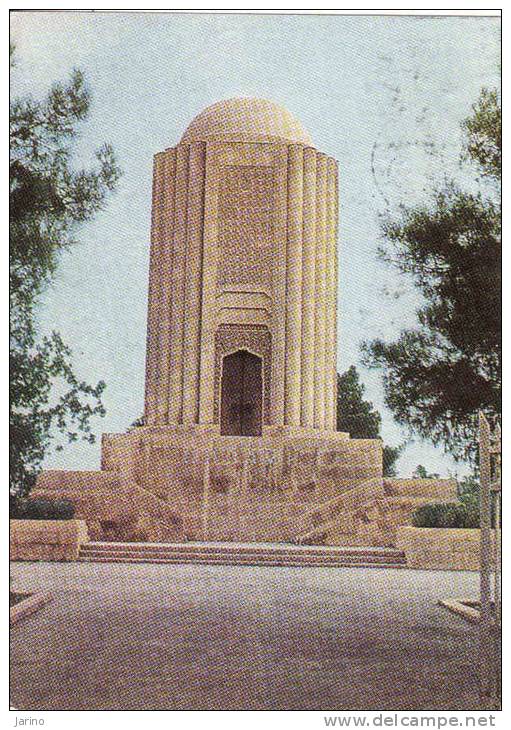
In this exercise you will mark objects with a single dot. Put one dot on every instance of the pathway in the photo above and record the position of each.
(128, 637)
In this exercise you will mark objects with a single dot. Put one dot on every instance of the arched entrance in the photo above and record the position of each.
(241, 406)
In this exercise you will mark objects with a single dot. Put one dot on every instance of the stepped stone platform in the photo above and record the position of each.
(215, 553)
(182, 485)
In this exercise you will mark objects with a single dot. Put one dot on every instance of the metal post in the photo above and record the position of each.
(490, 495)
(485, 637)
(205, 498)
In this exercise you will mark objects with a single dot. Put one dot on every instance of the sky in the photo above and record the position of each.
(371, 90)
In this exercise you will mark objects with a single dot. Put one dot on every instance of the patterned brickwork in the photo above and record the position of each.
(245, 226)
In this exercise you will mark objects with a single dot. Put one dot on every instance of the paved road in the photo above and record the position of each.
(167, 637)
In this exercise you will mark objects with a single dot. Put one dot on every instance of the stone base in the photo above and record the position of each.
(435, 548)
(205, 486)
(242, 488)
(46, 539)
(172, 484)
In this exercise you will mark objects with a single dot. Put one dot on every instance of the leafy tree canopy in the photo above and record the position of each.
(49, 199)
(483, 130)
(440, 372)
(359, 418)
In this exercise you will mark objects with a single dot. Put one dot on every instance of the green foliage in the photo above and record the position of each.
(483, 131)
(354, 414)
(468, 490)
(42, 509)
(422, 473)
(49, 199)
(446, 514)
(440, 373)
(359, 418)
(464, 514)
(390, 455)
(137, 423)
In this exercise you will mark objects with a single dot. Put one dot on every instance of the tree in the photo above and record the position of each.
(469, 489)
(422, 473)
(49, 199)
(483, 130)
(359, 418)
(438, 374)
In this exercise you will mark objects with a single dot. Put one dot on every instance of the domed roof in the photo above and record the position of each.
(247, 118)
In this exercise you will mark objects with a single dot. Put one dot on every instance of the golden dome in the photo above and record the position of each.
(258, 118)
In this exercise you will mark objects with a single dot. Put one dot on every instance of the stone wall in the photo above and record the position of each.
(173, 484)
(441, 489)
(371, 511)
(434, 548)
(46, 539)
(114, 507)
(170, 461)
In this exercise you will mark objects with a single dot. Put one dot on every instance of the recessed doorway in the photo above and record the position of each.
(241, 407)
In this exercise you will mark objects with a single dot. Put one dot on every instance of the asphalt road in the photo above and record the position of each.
(167, 637)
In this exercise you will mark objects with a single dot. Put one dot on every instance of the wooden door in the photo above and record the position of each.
(242, 395)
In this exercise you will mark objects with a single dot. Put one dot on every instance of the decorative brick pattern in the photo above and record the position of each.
(245, 225)
(46, 539)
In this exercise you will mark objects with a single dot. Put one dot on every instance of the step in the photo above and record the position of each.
(242, 554)
(235, 557)
(242, 549)
(246, 561)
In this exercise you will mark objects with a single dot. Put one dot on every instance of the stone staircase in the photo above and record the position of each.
(350, 513)
(254, 554)
(371, 513)
(115, 508)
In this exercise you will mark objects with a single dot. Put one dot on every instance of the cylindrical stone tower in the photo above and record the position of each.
(243, 275)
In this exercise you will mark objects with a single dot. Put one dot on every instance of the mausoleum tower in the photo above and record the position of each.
(239, 441)
(243, 279)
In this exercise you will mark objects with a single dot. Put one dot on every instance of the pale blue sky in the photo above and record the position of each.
(353, 81)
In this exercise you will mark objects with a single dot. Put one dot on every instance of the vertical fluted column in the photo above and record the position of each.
(177, 285)
(165, 274)
(278, 348)
(209, 275)
(153, 320)
(320, 276)
(331, 297)
(193, 284)
(294, 286)
(308, 285)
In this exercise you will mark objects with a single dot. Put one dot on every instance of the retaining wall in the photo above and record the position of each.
(437, 548)
(46, 539)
